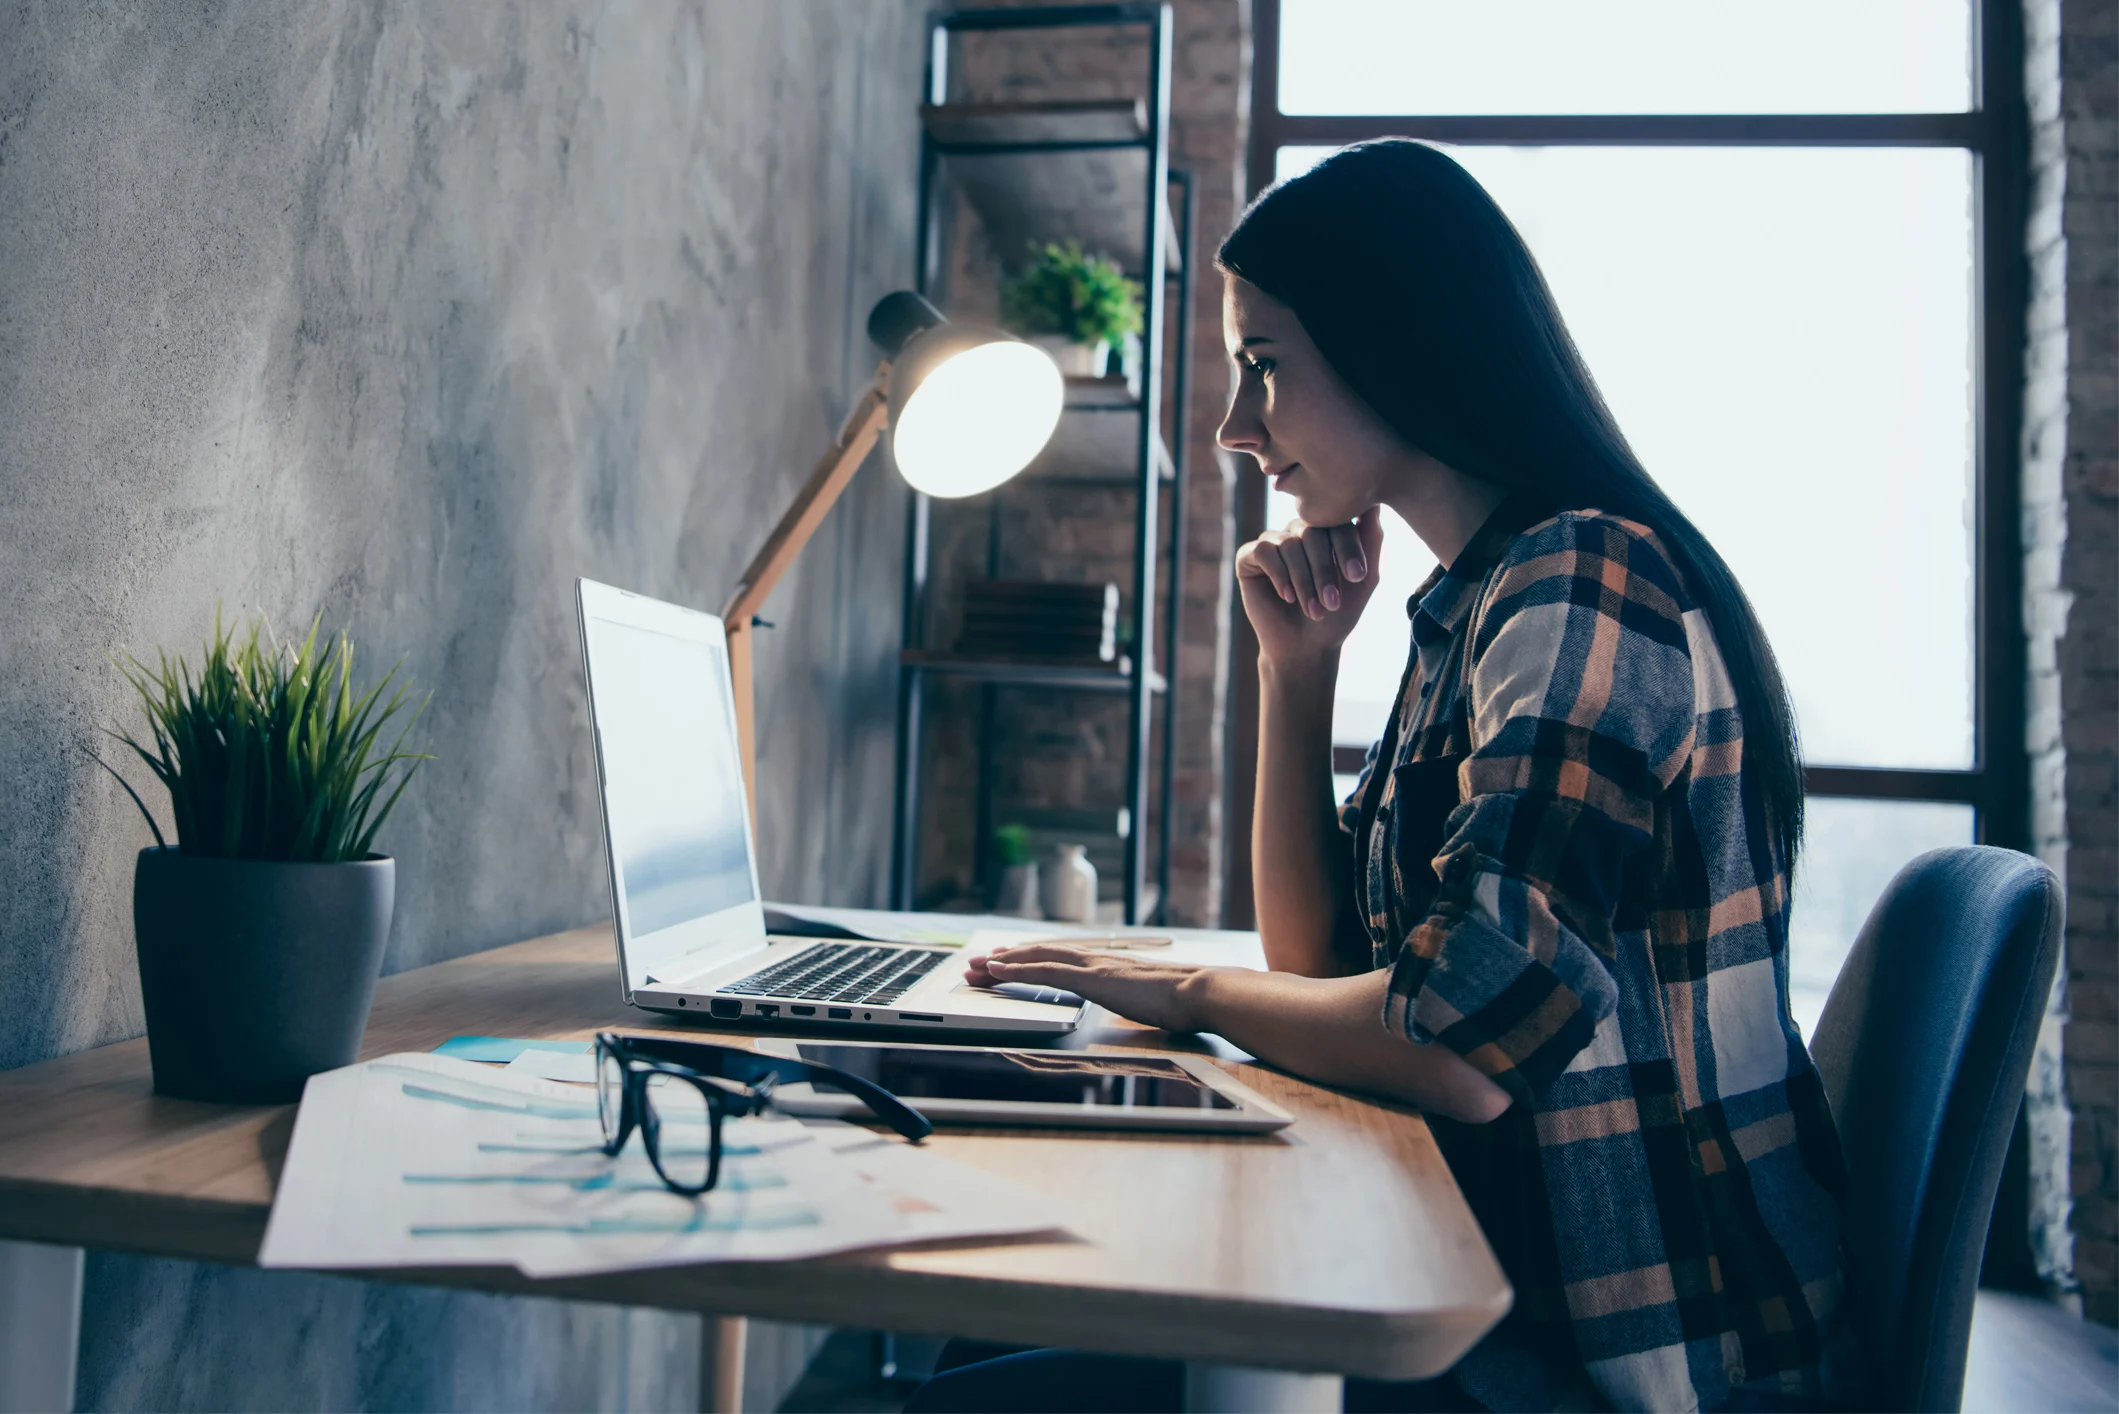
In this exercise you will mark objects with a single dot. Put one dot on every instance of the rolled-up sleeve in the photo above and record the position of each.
(1582, 713)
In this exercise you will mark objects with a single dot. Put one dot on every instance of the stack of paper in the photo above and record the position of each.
(423, 1160)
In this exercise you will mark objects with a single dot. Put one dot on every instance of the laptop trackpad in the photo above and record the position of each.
(1026, 992)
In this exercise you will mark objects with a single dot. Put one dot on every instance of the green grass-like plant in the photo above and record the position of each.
(1011, 844)
(268, 751)
(1086, 298)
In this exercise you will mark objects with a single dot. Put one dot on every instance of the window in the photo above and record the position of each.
(1556, 57)
(1767, 228)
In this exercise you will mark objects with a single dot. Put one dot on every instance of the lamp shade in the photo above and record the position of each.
(969, 405)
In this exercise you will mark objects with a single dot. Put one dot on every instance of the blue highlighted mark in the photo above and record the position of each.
(700, 1221)
(597, 1182)
(727, 1150)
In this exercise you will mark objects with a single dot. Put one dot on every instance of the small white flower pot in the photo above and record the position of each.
(1074, 360)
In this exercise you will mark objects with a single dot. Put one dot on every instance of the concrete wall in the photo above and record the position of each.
(2071, 584)
(408, 315)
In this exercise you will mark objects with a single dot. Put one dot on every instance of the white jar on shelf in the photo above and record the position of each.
(1067, 884)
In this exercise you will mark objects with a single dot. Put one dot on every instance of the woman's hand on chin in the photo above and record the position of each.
(1304, 587)
(1160, 994)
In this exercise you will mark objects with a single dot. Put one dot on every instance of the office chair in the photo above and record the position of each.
(1924, 1047)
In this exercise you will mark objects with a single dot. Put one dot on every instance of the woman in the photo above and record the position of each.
(1554, 912)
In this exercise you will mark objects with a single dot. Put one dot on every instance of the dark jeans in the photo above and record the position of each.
(973, 1378)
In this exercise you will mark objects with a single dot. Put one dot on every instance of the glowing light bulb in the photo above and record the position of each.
(977, 418)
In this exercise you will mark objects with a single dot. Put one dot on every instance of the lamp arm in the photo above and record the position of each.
(857, 437)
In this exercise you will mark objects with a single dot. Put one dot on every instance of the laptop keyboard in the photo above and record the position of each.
(841, 972)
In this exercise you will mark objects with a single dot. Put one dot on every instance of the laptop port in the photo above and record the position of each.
(766, 1008)
(918, 1016)
(803, 1010)
(839, 1013)
(724, 1006)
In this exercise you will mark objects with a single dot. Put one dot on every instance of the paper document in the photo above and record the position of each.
(554, 1065)
(423, 1160)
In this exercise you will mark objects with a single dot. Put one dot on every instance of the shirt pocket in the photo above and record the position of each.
(1401, 883)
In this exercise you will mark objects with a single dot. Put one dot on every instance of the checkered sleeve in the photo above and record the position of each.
(1581, 712)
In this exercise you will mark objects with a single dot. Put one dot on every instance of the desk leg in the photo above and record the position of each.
(1234, 1389)
(40, 1325)
(721, 1342)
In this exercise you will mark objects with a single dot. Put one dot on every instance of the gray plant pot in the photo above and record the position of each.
(1016, 894)
(256, 975)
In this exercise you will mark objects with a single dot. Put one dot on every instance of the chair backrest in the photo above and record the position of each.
(1924, 1048)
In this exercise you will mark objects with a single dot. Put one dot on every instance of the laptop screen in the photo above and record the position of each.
(673, 793)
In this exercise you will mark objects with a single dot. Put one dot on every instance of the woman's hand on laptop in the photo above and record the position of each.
(1328, 1029)
(1161, 994)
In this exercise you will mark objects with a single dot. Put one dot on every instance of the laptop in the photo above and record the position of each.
(684, 871)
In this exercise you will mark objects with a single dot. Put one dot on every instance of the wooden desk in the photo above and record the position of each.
(1340, 1245)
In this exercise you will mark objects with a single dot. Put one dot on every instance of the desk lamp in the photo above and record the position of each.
(966, 406)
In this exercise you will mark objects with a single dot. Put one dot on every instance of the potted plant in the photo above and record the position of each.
(260, 931)
(1076, 307)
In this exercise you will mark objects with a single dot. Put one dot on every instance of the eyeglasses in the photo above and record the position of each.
(677, 1093)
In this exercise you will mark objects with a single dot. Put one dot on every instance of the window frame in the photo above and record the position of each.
(1994, 131)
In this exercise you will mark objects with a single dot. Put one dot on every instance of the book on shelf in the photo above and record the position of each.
(1013, 618)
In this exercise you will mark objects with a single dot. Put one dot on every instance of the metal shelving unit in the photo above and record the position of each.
(1097, 171)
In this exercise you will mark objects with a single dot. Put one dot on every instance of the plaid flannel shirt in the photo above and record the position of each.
(1572, 882)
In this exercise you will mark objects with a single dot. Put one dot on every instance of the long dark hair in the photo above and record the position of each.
(1425, 300)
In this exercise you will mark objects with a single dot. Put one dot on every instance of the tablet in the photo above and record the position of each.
(1047, 1089)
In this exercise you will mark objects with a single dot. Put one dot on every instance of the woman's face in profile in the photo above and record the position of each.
(1310, 432)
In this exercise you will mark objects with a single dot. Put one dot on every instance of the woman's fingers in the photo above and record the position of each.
(1327, 564)
(1320, 544)
(1030, 954)
(985, 971)
(1320, 562)
(1347, 552)
(1263, 558)
(1042, 952)
(1294, 554)
(1050, 974)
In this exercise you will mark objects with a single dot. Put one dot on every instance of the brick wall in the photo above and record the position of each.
(1069, 751)
(2071, 542)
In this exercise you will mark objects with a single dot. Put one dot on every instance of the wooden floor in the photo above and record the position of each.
(2028, 1356)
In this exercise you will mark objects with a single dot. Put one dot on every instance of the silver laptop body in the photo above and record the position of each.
(683, 868)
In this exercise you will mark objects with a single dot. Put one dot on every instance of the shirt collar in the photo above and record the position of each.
(1439, 605)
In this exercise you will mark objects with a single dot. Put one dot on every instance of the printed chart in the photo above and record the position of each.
(424, 1160)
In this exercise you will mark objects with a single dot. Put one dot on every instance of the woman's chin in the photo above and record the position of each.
(1324, 510)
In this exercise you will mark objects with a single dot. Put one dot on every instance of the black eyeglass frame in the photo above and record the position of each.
(700, 1064)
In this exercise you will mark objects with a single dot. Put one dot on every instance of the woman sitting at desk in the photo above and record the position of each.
(1554, 912)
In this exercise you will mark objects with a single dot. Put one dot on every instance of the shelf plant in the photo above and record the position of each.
(261, 930)
(1067, 301)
